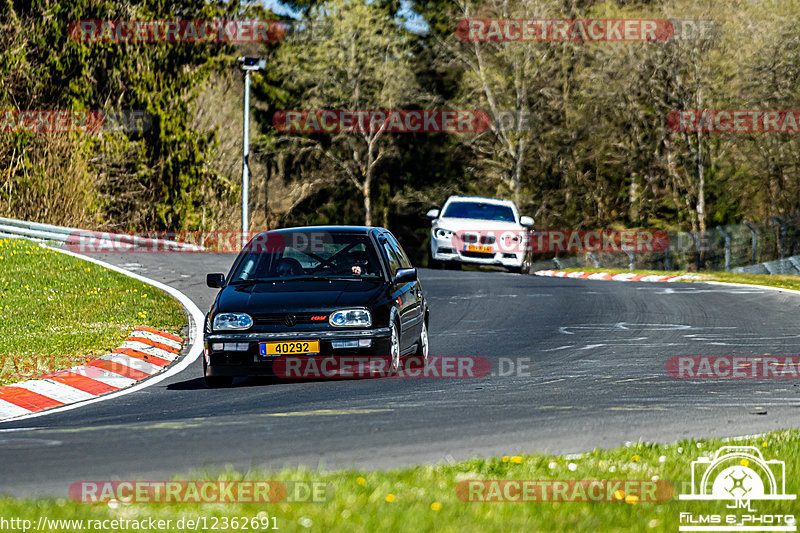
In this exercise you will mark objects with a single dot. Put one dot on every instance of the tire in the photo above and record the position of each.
(452, 265)
(394, 348)
(422, 343)
(515, 270)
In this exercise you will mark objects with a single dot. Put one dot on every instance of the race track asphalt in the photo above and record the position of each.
(593, 357)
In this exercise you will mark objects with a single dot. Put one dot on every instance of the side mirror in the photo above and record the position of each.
(405, 275)
(215, 281)
(433, 213)
(526, 221)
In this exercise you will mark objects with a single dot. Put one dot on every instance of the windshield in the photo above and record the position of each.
(481, 211)
(307, 255)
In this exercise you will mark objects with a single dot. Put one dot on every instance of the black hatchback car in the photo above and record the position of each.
(314, 291)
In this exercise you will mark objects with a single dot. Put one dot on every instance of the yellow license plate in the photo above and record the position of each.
(486, 249)
(289, 348)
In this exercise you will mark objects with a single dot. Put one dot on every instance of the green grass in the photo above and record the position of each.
(57, 310)
(424, 498)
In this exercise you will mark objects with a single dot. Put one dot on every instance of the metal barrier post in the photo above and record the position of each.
(755, 239)
(727, 238)
(696, 250)
(783, 234)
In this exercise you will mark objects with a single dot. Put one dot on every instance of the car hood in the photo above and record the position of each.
(299, 296)
(462, 224)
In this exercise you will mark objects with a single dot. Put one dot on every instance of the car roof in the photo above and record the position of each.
(482, 199)
(334, 229)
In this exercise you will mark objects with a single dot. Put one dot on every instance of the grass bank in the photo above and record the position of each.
(57, 311)
(425, 498)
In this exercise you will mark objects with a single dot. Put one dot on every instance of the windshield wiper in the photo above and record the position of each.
(322, 278)
(251, 281)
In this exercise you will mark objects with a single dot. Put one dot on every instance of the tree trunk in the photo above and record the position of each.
(521, 145)
(701, 185)
(367, 201)
(633, 195)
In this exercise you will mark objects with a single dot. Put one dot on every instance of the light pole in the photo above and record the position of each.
(248, 65)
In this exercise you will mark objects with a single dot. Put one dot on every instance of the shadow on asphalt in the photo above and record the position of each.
(200, 383)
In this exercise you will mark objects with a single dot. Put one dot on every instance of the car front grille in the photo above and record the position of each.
(273, 319)
(472, 238)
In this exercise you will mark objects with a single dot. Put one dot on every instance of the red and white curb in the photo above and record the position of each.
(625, 276)
(144, 353)
(193, 351)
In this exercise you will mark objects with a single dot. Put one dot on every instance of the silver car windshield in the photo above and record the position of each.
(480, 211)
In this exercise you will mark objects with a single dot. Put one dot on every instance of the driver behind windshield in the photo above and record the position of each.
(294, 256)
(356, 263)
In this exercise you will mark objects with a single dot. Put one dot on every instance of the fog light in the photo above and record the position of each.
(217, 346)
(364, 343)
(344, 344)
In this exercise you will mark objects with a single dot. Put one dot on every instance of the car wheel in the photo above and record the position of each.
(452, 265)
(215, 382)
(515, 270)
(394, 350)
(422, 343)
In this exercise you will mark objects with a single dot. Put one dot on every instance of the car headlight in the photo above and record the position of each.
(351, 318)
(442, 233)
(232, 321)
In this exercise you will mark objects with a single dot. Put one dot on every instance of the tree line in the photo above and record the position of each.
(579, 132)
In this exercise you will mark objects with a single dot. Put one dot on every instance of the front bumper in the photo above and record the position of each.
(444, 250)
(236, 359)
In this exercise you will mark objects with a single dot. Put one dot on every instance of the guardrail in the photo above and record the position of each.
(35, 231)
(770, 246)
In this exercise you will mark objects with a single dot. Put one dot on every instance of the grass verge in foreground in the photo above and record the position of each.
(424, 498)
(57, 311)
